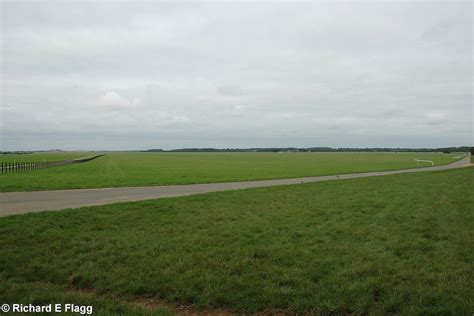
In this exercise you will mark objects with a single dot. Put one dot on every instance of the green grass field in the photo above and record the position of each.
(42, 156)
(145, 169)
(384, 245)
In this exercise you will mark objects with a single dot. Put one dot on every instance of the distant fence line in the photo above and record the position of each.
(10, 167)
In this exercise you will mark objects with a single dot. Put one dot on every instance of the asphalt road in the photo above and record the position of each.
(23, 202)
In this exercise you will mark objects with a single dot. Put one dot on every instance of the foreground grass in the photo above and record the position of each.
(44, 294)
(393, 244)
(145, 169)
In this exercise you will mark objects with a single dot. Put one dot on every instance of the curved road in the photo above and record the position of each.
(24, 202)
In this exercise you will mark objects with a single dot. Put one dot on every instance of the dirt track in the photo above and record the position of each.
(24, 202)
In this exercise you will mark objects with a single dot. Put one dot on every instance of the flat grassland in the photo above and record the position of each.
(43, 156)
(384, 245)
(146, 169)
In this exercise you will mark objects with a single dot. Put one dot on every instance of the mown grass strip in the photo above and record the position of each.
(146, 169)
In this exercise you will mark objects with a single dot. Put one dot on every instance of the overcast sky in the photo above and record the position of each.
(135, 75)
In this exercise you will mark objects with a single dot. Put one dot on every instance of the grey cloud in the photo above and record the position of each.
(230, 90)
(136, 75)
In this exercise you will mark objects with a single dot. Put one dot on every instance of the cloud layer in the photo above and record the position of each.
(114, 75)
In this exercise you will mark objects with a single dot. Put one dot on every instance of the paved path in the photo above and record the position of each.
(24, 202)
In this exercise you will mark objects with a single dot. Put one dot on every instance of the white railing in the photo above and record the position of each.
(421, 160)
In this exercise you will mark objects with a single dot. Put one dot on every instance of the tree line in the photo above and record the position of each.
(319, 149)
